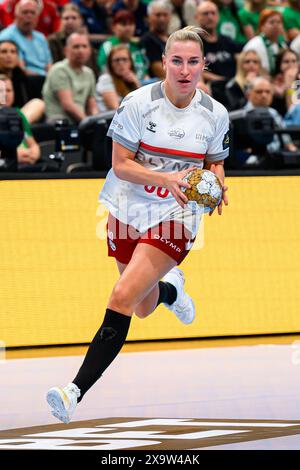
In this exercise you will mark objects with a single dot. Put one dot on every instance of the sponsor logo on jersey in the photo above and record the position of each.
(150, 111)
(225, 142)
(117, 124)
(176, 133)
(203, 138)
(151, 126)
(166, 164)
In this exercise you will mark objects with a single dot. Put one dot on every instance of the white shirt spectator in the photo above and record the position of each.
(104, 84)
(257, 44)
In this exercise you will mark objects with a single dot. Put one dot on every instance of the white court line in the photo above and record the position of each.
(183, 422)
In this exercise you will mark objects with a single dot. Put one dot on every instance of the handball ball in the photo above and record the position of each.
(206, 189)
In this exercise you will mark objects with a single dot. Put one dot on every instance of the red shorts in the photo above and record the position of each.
(170, 237)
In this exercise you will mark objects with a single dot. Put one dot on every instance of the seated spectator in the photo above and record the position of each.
(9, 65)
(260, 95)
(139, 10)
(286, 72)
(219, 50)
(292, 117)
(229, 23)
(123, 26)
(34, 53)
(95, 17)
(269, 41)
(120, 80)
(48, 21)
(154, 41)
(249, 16)
(49, 18)
(69, 89)
(183, 14)
(291, 19)
(248, 68)
(71, 22)
(28, 152)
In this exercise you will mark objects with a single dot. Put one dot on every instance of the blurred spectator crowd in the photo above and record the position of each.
(73, 59)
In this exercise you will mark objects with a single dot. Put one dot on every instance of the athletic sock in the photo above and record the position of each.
(167, 293)
(105, 346)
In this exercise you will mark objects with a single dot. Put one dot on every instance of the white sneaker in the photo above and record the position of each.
(63, 401)
(183, 307)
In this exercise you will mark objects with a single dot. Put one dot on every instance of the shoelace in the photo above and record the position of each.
(73, 388)
(180, 309)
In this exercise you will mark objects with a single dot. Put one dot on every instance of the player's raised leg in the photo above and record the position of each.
(171, 293)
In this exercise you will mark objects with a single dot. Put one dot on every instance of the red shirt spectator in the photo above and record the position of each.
(49, 20)
(7, 12)
(61, 3)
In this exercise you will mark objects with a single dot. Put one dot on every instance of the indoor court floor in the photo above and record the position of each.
(206, 394)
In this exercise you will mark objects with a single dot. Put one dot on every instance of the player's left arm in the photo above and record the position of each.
(218, 169)
(218, 150)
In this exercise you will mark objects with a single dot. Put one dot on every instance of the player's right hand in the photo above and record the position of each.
(174, 183)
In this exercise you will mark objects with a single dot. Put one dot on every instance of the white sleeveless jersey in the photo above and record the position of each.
(165, 139)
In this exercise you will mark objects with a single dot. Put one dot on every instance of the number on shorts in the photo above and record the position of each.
(160, 192)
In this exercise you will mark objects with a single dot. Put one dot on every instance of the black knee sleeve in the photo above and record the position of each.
(105, 346)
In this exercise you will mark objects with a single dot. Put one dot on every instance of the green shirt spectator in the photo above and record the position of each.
(239, 4)
(123, 28)
(229, 24)
(291, 20)
(136, 52)
(249, 18)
